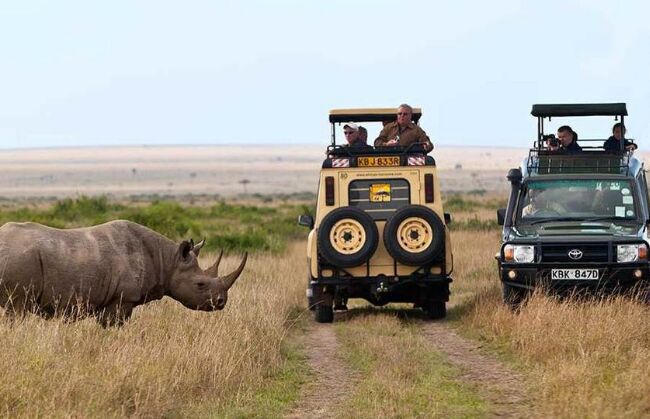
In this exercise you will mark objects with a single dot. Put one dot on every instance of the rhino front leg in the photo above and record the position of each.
(115, 314)
(14, 303)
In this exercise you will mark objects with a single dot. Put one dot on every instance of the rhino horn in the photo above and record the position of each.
(196, 249)
(230, 279)
(213, 270)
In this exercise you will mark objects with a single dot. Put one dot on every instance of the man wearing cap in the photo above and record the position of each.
(351, 132)
(403, 132)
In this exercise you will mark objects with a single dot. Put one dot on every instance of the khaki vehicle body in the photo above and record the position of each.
(379, 231)
(381, 263)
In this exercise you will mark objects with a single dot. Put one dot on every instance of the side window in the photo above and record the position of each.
(380, 198)
(643, 189)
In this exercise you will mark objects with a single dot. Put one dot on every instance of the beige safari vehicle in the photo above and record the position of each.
(379, 232)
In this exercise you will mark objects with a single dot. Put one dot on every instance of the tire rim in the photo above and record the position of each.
(414, 235)
(347, 236)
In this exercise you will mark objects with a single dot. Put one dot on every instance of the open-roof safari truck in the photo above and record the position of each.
(379, 232)
(575, 223)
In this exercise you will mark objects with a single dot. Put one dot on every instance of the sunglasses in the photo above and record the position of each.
(348, 132)
(402, 113)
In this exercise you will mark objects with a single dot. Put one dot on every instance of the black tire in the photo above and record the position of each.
(435, 310)
(364, 251)
(324, 313)
(430, 222)
(514, 297)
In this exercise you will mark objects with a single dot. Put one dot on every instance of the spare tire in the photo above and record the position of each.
(415, 236)
(347, 237)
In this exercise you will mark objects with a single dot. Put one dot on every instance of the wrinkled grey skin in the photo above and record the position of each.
(105, 270)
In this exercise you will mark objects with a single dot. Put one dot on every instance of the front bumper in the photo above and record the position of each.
(612, 277)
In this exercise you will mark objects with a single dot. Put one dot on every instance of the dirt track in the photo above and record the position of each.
(332, 381)
(504, 388)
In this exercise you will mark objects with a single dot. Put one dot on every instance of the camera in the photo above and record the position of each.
(551, 140)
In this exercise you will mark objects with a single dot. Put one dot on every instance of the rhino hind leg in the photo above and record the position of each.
(115, 314)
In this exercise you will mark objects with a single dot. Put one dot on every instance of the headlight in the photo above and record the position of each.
(631, 252)
(519, 253)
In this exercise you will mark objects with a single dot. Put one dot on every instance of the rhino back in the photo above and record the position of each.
(93, 264)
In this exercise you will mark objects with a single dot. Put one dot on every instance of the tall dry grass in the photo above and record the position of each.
(167, 360)
(585, 358)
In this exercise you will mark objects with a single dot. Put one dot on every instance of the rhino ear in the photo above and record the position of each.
(197, 248)
(184, 249)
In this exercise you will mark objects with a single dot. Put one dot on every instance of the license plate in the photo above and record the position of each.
(378, 161)
(380, 192)
(574, 274)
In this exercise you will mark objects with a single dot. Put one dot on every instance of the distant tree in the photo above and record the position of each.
(245, 182)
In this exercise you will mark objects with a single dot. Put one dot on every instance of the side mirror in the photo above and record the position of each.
(447, 218)
(501, 216)
(306, 220)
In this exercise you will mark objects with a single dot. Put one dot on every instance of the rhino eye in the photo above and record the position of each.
(201, 285)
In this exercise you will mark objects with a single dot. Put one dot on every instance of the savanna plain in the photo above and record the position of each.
(263, 356)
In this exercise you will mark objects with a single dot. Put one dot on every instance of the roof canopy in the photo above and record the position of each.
(369, 115)
(580, 109)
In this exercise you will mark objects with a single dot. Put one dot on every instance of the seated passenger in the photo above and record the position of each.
(552, 143)
(352, 135)
(568, 140)
(613, 143)
(363, 135)
(403, 132)
(540, 205)
(606, 201)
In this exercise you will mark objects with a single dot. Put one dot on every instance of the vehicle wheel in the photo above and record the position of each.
(415, 235)
(513, 297)
(435, 310)
(347, 237)
(324, 313)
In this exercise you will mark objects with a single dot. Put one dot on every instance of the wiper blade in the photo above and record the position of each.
(546, 220)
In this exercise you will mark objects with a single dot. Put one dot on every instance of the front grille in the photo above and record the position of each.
(596, 252)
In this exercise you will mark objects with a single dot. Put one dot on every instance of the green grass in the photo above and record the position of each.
(474, 224)
(401, 376)
(457, 202)
(232, 227)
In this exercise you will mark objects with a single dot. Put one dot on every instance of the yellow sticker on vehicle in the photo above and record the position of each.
(380, 192)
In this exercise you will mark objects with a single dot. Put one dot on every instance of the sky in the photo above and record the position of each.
(125, 72)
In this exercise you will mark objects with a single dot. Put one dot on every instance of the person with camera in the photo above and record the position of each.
(552, 143)
(568, 140)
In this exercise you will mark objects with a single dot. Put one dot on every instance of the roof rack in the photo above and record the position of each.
(596, 161)
(369, 115)
(580, 109)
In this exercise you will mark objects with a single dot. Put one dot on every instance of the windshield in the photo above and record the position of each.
(577, 199)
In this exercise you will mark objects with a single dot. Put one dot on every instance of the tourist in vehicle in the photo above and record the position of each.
(363, 135)
(552, 143)
(539, 204)
(352, 135)
(613, 143)
(568, 140)
(404, 131)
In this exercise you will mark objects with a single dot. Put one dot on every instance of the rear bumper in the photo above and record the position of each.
(380, 290)
(612, 277)
(386, 280)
